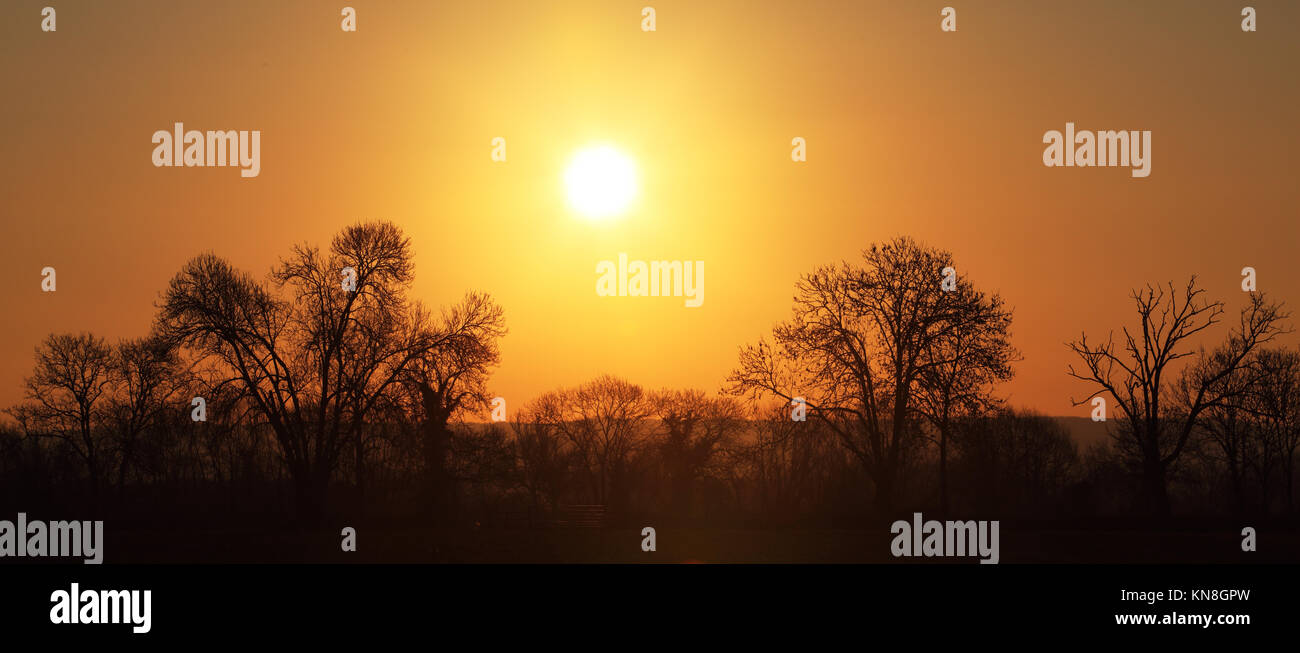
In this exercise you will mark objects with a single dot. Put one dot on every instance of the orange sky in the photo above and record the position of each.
(910, 131)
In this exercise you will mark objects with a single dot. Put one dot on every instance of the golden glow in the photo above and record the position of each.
(601, 182)
(705, 112)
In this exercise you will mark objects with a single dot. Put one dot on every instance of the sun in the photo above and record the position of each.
(601, 182)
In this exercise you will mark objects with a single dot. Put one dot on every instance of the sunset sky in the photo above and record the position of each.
(910, 131)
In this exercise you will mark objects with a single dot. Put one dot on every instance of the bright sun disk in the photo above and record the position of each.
(601, 182)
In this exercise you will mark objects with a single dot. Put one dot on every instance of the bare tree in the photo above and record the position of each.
(451, 377)
(542, 460)
(788, 464)
(145, 376)
(65, 397)
(1277, 398)
(601, 420)
(314, 364)
(1137, 376)
(1232, 434)
(862, 342)
(961, 367)
(1014, 459)
(695, 428)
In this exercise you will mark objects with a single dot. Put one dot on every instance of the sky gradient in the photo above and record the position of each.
(910, 131)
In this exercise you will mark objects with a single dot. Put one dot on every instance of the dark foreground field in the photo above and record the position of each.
(688, 545)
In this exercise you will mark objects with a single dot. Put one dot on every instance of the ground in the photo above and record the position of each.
(679, 545)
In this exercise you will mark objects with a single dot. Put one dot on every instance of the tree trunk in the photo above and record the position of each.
(1238, 489)
(1290, 487)
(360, 465)
(943, 468)
(310, 488)
(1155, 492)
(436, 444)
(883, 477)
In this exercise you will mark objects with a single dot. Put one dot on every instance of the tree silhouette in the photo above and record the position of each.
(1011, 460)
(863, 342)
(1233, 433)
(601, 421)
(66, 394)
(788, 465)
(1276, 401)
(695, 427)
(961, 366)
(146, 376)
(317, 362)
(452, 376)
(1157, 425)
(543, 462)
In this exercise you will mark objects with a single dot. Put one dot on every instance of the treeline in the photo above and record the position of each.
(295, 377)
(680, 457)
(322, 390)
